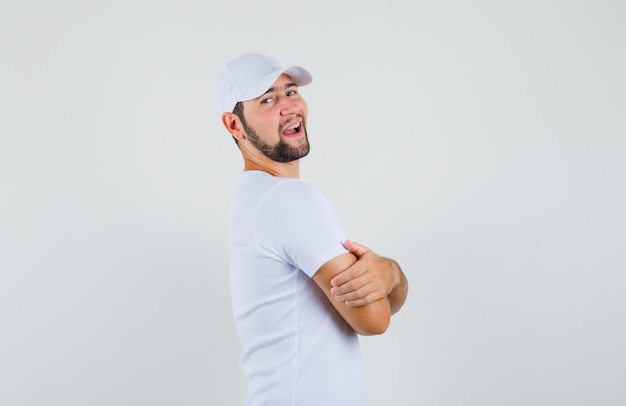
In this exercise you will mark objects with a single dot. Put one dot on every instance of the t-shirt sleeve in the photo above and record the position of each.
(295, 224)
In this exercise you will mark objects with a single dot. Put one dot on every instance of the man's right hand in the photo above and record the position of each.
(369, 279)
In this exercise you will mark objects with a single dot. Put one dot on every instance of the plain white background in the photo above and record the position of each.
(481, 144)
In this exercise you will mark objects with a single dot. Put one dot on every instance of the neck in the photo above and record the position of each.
(278, 169)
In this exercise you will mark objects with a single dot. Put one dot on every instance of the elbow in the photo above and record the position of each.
(374, 323)
(374, 328)
(377, 328)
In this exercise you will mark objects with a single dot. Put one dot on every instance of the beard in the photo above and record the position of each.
(281, 151)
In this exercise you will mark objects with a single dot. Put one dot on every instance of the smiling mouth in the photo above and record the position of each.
(293, 129)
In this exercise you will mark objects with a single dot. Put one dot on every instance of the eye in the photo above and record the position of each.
(292, 93)
(267, 100)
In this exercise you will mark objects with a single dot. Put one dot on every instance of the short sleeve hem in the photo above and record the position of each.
(316, 263)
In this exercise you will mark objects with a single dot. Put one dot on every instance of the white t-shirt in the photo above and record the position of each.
(297, 350)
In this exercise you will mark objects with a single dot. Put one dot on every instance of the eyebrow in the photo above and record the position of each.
(274, 89)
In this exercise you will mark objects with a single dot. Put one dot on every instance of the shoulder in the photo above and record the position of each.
(256, 188)
(292, 193)
(292, 185)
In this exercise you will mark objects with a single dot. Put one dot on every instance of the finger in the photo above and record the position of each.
(351, 285)
(353, 272)
(356, 248)
(362, 298)
(365, 288)
(357, 277)
(363, 301)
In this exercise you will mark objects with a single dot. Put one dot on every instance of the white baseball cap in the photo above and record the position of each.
(249, 76)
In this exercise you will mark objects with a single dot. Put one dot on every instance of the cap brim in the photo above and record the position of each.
(298, 74)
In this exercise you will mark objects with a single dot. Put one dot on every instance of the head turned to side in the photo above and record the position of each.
(263, 111)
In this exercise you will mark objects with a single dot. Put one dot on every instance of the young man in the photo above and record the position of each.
(301, 292)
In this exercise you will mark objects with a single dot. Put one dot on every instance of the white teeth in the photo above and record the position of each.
(293, 127)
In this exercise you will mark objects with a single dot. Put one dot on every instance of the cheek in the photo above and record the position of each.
(263, 123)
(304, 111)
(267, 128)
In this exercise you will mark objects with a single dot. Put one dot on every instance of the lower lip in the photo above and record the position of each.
(294, 135)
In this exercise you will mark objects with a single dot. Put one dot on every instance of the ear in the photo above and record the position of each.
(233, 125)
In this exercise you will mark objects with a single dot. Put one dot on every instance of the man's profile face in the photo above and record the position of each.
(275, 122)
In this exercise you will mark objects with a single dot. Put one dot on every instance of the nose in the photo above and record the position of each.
(288, 106)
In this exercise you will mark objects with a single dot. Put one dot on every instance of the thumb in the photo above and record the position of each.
(356, 248)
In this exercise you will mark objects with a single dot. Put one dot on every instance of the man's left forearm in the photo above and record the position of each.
(398, 294)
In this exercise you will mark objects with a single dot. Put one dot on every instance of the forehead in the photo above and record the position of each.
(284, 81)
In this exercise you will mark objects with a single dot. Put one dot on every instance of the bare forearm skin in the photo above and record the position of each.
(398, 294)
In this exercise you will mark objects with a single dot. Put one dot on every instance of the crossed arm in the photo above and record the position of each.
(366, 289)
